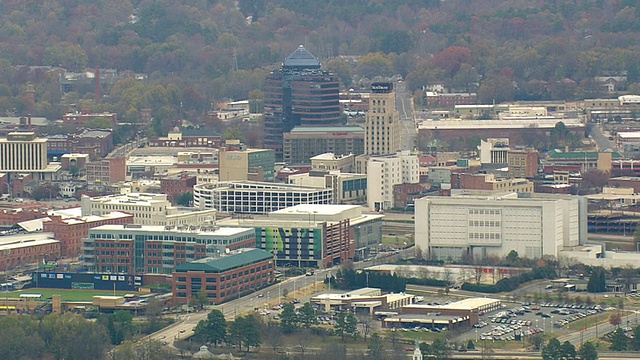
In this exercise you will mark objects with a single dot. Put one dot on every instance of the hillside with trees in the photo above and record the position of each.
(196, 52)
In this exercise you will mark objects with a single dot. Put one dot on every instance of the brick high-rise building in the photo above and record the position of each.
(299, 94)
(523, 163)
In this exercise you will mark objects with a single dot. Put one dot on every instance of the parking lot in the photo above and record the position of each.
(517, 321)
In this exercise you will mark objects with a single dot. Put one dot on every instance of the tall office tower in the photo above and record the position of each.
(23, 152)
(382, 122)
(298, 94)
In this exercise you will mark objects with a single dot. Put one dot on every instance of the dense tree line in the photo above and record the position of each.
(197, 52)
(347, 278)
(554, 350)
(65, 336)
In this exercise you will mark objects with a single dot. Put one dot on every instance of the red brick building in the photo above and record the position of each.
(523, 163)
(175, 186)
(10, 217)
(626, 182)
(106, 171)
(96, 143)
(450, 100)
(152, 249)
(404, 194)
(224, 278)
(81, 118)
(71, 231)
(27, 250)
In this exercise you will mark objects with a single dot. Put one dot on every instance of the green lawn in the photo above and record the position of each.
(397, 240)
(67, 295)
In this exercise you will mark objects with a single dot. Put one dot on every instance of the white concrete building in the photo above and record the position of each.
(254, 197)
(383, 172)
(23, 151)
(483, 225)
(494, 151)
(147, 209)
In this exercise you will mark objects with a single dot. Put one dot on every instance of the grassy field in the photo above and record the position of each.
(67, 295)
(397, 240)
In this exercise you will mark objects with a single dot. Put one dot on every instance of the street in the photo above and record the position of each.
(404, 104)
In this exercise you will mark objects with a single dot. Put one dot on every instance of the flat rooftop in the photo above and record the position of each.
(466, 304)
(205, 230)
(319, 209)
(496, 124)
(11, 242)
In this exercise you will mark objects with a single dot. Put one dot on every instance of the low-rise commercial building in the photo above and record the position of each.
(224, 278)
(463, 313)
(489, 182)
(27, 250)
(147, 209)
(70, 230)
(368, 299)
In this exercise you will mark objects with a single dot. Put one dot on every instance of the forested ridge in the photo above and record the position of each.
(195, 52)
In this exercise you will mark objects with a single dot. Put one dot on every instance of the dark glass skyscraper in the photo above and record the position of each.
(299, 94)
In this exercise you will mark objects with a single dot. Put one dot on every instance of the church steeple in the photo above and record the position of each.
(417, 354)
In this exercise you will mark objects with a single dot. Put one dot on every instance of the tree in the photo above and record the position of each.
(61, 333)
(588, 351)
(273, 337)
(376, 347)
(552, 351)
(438, 350)
(536, 340)
(512, 257)
(307, 316)
(185, 199)
(213, 329)
(615, 319)
(365, 324)
(245, 330)
(568, 351)
(145, 350)
(351, 324)
(619, 340)
(470, 345)
(635, 343)
(597, 281)
(153, 311)
(289, 319)
(341, 324)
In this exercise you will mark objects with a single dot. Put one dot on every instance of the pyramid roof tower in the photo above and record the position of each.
(301, 58)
